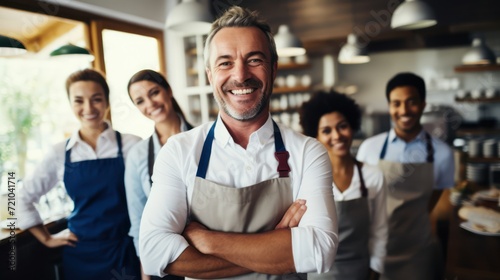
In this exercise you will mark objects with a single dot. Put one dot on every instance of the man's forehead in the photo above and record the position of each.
(404, 92)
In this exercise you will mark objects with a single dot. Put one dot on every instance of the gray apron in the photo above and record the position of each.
(411, 251)
(352, 261)
(252, 209)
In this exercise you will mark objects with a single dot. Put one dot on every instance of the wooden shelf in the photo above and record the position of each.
(477, 68)
(287, 110)
(477, 131)
(213, 113)
(293, 66)
(483, 160)
(478, 100)
(192, 52)
(282, 90)
(192, 72)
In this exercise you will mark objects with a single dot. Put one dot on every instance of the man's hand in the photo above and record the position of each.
(194, 233)
(293, 215)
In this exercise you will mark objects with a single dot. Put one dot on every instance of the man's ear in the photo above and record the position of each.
(209, 74)
(275, 69)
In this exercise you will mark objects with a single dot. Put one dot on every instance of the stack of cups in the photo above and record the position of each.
(477, 173)
(498, 148)
(474, 148)
(490, 148)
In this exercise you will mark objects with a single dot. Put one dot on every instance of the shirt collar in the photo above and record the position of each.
(107, 134)
(393, 137)
(261, 136)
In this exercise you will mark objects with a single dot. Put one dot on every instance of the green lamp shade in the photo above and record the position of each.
(72, 50)
(11, 47)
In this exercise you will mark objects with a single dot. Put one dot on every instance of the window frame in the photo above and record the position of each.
(94, 24)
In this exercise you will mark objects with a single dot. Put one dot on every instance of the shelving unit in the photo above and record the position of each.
(196, 88)
(487, 131)
(286, 100)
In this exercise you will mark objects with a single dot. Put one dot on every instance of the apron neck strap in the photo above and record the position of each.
(364, 191)
(429, 146)
(281, 154)
(151, 158)
(384, 147)
(205, 153)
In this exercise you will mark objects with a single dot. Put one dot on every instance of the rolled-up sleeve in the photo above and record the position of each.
(315, 240)
(164, 216)
(45, 177)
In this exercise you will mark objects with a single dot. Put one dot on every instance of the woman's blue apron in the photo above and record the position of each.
(100, 220)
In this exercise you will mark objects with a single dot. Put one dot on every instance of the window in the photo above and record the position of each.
(34, 111)
(125, 53)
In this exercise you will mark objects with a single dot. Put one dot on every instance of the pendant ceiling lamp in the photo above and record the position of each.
(190, 17)
(287, 44)
(11, 47)
(72, 51)
(479, 53)
(413, 14)
(352, 52)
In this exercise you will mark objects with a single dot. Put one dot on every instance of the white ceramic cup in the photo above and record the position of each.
(490, 93)
(280, 81)
(291, 81)
(305, 80)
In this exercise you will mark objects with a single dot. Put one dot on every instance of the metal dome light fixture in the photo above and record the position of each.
(353, 52)
(413, 14)
(479, 54)
(287, 44)
(190, 17)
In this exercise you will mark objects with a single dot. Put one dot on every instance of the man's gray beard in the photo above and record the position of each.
(248, 116)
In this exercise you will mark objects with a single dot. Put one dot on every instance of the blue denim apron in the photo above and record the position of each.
(99, 220)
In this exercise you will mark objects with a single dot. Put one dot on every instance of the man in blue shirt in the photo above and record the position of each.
(417, 167)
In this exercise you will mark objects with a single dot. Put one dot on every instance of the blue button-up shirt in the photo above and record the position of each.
(414, 151)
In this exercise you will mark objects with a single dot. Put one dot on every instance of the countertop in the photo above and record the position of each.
(471, 256)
